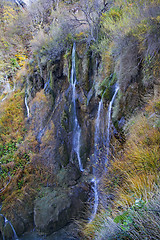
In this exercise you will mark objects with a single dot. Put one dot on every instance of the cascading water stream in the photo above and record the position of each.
(14, 232)
(96, 199)
(26, 104)
(14, 237)
(109, 123)
(96, 142)
(76, 127)
(97, 128)
(47, 85)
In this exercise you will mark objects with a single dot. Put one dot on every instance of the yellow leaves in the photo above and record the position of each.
(9, 14)
(12, 118)
(80, 35)
(21, 59)
(114, 14)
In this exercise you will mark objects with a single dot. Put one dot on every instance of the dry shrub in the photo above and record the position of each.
(132, 176)
(101, 228)
(29, 144)
(146, 220)
(12, 118)
(139, 165)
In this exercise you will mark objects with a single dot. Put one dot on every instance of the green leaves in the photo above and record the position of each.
(124, 220)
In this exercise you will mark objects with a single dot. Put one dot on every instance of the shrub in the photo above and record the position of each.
(12, 118)
(133, 180)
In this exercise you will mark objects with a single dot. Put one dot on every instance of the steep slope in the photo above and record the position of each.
(81, 97)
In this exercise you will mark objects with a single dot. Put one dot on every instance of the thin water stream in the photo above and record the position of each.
(97, 138)
(94, 181)
(109, 124)
(76, 126)
(27, 108)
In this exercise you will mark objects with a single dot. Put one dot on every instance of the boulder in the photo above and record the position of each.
(2, 222)
(56, 208)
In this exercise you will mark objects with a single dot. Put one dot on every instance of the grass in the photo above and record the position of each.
(133, 180)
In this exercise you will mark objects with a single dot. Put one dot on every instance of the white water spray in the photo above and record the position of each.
(109, 123)
(27, 108)
(76, 128)
(97, 126)
(96, 199)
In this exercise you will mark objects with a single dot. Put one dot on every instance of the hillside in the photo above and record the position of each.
(80, 119)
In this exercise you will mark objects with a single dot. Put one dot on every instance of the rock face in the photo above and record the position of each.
(2, 224)
(59, 207)
(56, 109)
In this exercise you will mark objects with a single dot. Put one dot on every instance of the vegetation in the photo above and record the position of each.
(133, 178)
(123, 37)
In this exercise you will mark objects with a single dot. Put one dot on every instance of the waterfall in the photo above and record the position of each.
(47, 85)
(76, 127)
(7, 87)
(109, 123)
(97, 126)
(26, 104)
(14, 232)
(96, 198)
(96, 142)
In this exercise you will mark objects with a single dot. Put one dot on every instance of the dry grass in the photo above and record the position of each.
(133, 176)
(12, 118)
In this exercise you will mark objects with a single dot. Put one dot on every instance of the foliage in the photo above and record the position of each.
(138, 167)
(141, 221)
(12, 118)
(133, 179)
(14, 37)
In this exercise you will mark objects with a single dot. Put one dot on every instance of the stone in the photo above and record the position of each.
(2, 222)
(19, 226)
(69, 175)
(58, 208)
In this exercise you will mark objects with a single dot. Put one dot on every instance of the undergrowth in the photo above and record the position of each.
(133, 179)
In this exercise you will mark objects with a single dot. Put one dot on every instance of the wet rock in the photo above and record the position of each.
(19, 226)
(2, 222)
(69, 175)
(58, 208)
(1, 236)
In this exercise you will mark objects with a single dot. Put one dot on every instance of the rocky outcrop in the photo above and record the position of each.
(56, 208)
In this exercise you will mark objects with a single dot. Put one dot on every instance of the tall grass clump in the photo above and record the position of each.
(132, 179)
